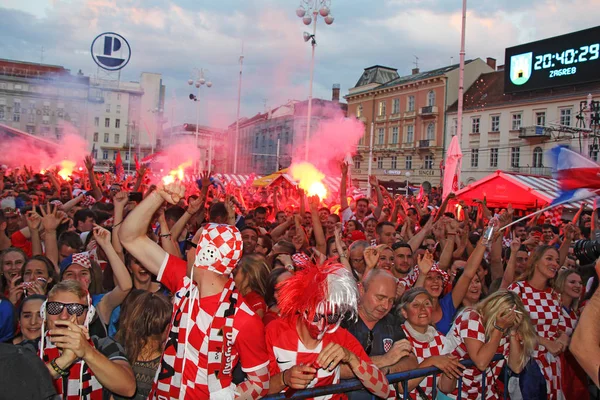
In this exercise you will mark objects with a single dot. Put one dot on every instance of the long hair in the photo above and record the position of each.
(256, 271)
(49, 268)
(559, 284)
(500, 302)
(144, 320)
(270, 287)
(534, 259)
(3, 282)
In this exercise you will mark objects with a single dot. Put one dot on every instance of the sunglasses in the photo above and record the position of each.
(330, 318)
(55, 308)
(369, 346)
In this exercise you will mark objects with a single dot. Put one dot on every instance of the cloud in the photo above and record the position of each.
(173, 37)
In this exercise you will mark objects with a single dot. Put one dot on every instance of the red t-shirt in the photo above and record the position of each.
(248, 330)
(286, 350)
(269, 317)
(256, 302)
(19, 241)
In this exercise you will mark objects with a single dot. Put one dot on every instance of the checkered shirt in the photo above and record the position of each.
(169, 379)
(422, 351)
(571, 318)
(469, 325)
(410, 279)
(546, 315)
(286, 350)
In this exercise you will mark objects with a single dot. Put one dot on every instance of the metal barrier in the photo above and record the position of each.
(395, 379)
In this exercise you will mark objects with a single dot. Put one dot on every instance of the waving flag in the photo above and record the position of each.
(119, 171)
(575, 173)
(452, 167)
(137, 163)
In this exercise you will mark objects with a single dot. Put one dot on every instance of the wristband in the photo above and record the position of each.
(500, 329)
(58, 369)
(166, 235)
(283, 379)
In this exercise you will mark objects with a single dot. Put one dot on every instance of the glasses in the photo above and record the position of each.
(55, 308)
(330, 318)
(369, 346)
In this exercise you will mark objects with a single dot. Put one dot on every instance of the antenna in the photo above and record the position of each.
(42, 55)
(416, 62)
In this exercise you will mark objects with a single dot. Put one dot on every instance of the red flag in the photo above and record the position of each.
(421, 193)
(137, 163)
(119, 171)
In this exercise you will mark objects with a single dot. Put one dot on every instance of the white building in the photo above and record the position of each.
(513, 132)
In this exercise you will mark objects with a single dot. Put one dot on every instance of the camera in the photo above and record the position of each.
(586, 251)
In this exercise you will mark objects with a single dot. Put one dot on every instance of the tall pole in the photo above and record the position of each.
(197, 123)
(370, 169)
(310, 87)
(237, 118)
(278, 147)
(461, 72)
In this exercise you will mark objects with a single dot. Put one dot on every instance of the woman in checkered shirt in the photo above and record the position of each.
(544, 308)
(427, 343)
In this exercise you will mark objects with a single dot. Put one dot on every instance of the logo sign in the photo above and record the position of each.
(110, 51)
(387, 344)
(520, 68)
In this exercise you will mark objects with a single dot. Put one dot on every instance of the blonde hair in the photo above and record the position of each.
(559, 285)
(256, 272)
(69, 286)
(500, 302)
(534, 259)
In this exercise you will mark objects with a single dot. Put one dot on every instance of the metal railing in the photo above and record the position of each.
(400, 378)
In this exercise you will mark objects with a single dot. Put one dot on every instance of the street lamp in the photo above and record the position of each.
(200, 81)
(407, 174)
(309, 11)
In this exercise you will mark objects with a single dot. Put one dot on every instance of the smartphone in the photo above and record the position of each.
(136, 196)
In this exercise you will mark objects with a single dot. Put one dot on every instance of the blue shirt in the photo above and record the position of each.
(7, 320)
(448, 312)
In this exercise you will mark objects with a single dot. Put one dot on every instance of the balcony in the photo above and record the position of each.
(535, 131)
(541, 171)
(424, 144)
(410, 114)
(395, 116)
(380, 118)
(429, 111)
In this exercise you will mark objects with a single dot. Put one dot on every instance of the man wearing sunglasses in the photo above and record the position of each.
(377, 330)
(80, 365)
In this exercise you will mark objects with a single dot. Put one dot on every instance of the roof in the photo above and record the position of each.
(422, 75)
(488, 91)
(377, 74)
(237, 179)
(521, 190)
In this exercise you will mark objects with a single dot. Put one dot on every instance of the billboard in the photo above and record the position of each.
(564, 60)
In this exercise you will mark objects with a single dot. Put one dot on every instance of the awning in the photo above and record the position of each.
(331, 183)
(520, 190)
(236, 179)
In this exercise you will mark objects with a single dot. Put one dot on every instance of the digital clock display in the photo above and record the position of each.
(559, 61)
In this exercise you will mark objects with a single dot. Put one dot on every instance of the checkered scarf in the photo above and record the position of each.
(554, 215)
(91, 389)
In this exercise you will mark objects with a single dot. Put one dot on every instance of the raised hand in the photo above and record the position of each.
(344, 168)
(142, 170)
(171, 193)
(205, 179)
(51, 218)
(515, 245)
(195, 205)
(34, 220)
(313, 202)
(373, 181)
(102, 236)
(425, 262)
(89, 163)
(120, 199)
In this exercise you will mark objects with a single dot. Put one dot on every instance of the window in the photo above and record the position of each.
(356, 164)
(474, 158)
(108, 108)
(381, 112)
(565, 116)
(396, 106)
(380, 136)
(430, 131)
(594, 152)
(95, 154)
(115, 154)
(117, 137)
(475, 124)
(494, 158)
(408, 162)
(17, 106)
(117, 123)
(96, 121)
(394, 162)
(16, 117)
(431, 98)
(380, 162)
(516, 121)
(495, 123)
(118, 98)
(105, 154)
(58, 132)
(107, 122)
(1, 111)
(106, 138)
(119, 108)
(540, 118)
(410, 134)
(411, 103)
(454, 126)
(538, 157)
(395, 135)
(127, 156)
(428, 162)
(30, 129)
(96, 137)
(515, 155)
(359, 111)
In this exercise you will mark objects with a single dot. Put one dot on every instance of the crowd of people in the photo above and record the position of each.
(112, 287)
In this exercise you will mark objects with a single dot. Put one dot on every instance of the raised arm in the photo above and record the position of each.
(460, 290)
(139, 177)
(89, 164)
(375, 184)
(343, 188)
(509, 273)
(51, 219)
(134, 228)
(563, 251)
(418, 238)
(321, 243)
(34, 221)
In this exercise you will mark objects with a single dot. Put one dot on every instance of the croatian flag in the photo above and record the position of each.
(119, 171)
(575, 174)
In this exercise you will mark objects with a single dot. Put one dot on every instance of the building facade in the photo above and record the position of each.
(406, 116)
(212, 143)
(513, 132)
(268, 141)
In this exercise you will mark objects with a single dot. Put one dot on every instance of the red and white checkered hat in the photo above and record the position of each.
(219, 249)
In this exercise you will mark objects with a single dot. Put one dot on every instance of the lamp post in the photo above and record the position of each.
(407, 174)
(304, 11)
(200, 81)
(158, 112)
